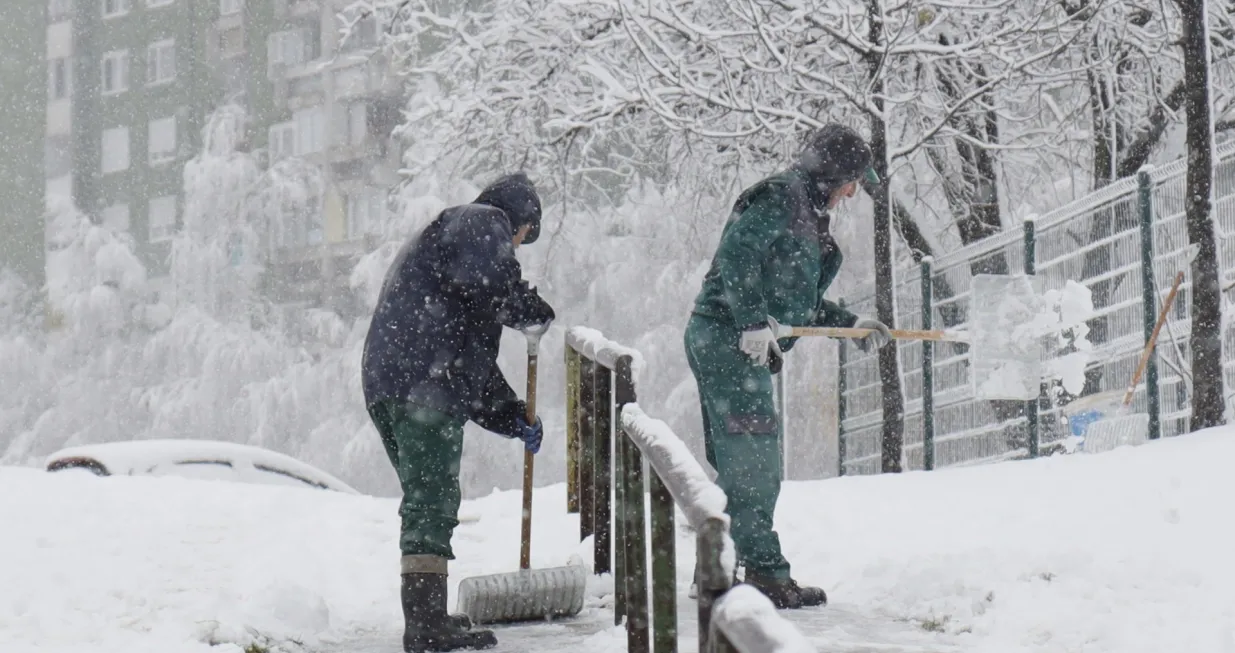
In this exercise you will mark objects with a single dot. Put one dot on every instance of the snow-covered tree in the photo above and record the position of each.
(209, 266)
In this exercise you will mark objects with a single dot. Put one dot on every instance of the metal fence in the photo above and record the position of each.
(623, 465)
(1125, 242)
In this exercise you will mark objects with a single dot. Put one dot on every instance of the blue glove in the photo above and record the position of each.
(530, 434)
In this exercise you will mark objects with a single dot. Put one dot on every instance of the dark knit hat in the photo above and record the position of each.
(516, 196)
(835, 155)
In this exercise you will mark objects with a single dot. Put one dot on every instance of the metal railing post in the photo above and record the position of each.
(713, 580)
(1149, 297)
(597, 494)
(664, 569)
(574, 449)
(588, 439)
(840, 403)
(633, 533)
(928, 370)
(620, 520)
(1031, 406)
(634, 547)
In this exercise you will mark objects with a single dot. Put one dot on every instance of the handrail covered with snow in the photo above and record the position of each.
(600, 379)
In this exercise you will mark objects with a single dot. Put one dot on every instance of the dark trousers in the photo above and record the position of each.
(742, 439)
(425, 446)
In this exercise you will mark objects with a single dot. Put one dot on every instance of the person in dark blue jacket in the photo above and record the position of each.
(430, 366)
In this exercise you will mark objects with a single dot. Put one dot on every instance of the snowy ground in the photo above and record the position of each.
(1124, 551)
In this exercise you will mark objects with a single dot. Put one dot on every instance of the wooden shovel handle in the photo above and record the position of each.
(525, 539)
(899, 334)
(1153, 339)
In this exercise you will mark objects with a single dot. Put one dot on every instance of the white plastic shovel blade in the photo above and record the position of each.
(1005, 353)
(1117, 431)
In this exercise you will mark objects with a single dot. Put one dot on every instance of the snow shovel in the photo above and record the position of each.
(1003, 337)
(527, 594)
(1124, 428)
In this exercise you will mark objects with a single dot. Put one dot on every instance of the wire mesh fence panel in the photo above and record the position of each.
(862, 398)
(1095, 241)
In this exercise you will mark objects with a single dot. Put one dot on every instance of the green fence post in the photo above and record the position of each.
(928, 372)
(1149, 298)
(1031, 406)
(840, 403)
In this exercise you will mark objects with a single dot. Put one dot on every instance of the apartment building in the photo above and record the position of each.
(332, 102)
(131, 83)
(23, 106)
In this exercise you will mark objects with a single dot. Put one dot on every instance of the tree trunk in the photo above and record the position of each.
(889, 370)
(1207, 386)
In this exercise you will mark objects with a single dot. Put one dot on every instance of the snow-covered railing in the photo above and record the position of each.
(602, 461)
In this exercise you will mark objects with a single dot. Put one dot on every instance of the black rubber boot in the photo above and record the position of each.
(427, 626)
(810, 596)
(782, 591)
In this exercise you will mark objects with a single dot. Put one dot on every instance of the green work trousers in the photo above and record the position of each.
(425, 446)
(741, 437)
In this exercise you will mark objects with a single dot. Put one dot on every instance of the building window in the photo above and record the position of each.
(282, 141)
(59, 78)
(362, 36)
(115, 155)
(310, 130)
(364, 212)
(161, 62)
(286, 48)
(57, 9)
(162, 218)
(162, 140)
(229, 7)
(116, 217)
(351, 124)
(60, 187)
(113, 8)
(115, 72)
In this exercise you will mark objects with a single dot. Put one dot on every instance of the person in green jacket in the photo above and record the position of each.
(775, 261)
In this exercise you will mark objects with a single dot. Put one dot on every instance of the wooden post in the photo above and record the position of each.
(574, 449)
(620, 524)
(600, 400)
(713, 579)
(587, 442)
(664, 569)
(634, 549)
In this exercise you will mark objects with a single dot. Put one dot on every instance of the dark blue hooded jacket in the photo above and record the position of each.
(434, 337)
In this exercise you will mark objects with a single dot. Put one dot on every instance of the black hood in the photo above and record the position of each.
(835, 155)
(515, 195)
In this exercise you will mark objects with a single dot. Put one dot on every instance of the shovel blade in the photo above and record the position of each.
(525, 595)
(1118, 431)
(1005, 354)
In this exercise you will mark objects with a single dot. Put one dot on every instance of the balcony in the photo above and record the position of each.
(366, 78)
(301, 8)
(296, 8)
(230, 21)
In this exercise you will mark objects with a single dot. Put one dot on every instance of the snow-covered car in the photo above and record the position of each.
(196, 459)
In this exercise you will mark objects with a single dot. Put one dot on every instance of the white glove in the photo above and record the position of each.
(757, 343)
(537, 329)
(879, 337)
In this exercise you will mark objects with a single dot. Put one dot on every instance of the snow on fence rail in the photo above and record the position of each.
(1124, 243)
(605, 466)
